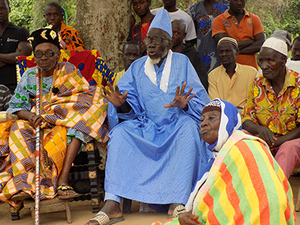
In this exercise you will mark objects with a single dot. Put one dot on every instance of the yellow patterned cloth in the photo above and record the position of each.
(280, 113)
(75, 105)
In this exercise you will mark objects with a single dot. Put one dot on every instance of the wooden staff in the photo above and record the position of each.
(37, 153)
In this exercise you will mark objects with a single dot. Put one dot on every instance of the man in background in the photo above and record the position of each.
(71, 38)
(294, 62)
(13, 43)
(203, 14)
(231, 80)
(177, 14)
(139, 31)
(244, 27)
(178, 30)
(131, 52)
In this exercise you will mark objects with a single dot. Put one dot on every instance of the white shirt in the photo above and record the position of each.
(180, 15)
(293, 65)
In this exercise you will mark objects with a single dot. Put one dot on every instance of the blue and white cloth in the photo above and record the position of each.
(157, 154)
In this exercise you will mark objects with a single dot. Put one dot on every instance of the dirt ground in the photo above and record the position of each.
(82, 212)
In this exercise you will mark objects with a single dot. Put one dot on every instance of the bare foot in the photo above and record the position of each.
(111, 208)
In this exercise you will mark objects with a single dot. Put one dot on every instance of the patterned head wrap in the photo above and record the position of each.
(230, 40)
(43, 35)
(229, 122)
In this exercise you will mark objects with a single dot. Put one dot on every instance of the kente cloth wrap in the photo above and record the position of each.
(76, 106)
(90, 63)
(244, 186)
(71, 37)
(161, 147)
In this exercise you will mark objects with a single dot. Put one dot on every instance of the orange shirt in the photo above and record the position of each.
(71, 37)
(248, 27)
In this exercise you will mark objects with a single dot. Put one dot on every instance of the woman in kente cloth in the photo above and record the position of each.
(72, 113)
(244, 185)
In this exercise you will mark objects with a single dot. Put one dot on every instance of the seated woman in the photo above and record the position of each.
(245, 185)
(72, 112)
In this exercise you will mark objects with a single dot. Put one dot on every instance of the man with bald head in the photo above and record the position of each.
(231, 80)
(272, 109)
(178, 30)
(155, 155)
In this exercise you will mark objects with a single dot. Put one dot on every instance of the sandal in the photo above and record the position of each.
(20, 196)
(65, 188)
(102, 218)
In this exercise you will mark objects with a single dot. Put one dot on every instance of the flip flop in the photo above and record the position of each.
(20, 196)
(66, 188)
(103, 219)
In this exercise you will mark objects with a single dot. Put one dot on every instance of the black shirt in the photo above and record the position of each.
(9, 41)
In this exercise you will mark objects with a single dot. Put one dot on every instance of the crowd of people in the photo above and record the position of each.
(196, 125)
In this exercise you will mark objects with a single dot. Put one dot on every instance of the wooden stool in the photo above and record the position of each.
(50, 205)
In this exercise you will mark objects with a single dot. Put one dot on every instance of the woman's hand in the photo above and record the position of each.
(32, 118)
(188, 218)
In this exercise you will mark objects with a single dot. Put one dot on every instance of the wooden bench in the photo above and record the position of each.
(49, 206)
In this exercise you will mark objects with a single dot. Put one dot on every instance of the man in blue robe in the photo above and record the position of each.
(156, 154)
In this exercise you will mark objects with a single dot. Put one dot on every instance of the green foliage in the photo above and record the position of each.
(70, 7)
(291, 19)
(21, 12)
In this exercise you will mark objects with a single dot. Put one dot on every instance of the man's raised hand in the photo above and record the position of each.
(114, 96)
(180, 100)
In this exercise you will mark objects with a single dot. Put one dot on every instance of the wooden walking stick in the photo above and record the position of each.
(37, 153)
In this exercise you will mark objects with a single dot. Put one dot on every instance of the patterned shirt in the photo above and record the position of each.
(71, 37)
(280, 113)
(207, 46)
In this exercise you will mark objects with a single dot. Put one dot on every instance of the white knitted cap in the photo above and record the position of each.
(277, 44)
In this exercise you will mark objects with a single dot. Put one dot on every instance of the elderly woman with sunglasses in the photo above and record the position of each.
(244, 185)
(67, 104)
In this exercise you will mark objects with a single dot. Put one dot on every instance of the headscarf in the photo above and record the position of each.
(162, 21)
(230, 121)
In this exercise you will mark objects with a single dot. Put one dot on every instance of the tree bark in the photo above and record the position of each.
(104, 25)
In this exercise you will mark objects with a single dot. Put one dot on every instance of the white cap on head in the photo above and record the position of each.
(276, 44)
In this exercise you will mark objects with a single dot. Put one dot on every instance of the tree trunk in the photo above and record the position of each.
(104, 25)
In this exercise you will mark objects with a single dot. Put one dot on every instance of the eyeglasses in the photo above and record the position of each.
(155, 39)
(40, 54)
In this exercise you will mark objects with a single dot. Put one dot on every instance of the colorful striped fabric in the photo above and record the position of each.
(245, 186)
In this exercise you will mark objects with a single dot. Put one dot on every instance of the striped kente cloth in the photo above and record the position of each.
(245, 186)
